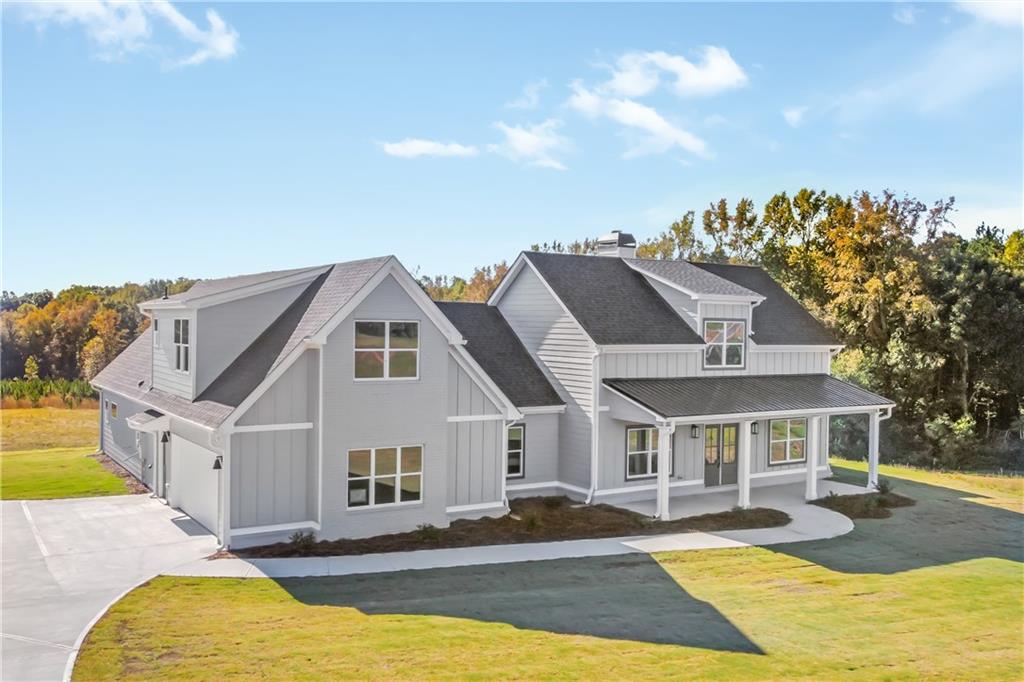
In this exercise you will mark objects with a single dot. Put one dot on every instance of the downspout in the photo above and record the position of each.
(504, 459)
(595, 419)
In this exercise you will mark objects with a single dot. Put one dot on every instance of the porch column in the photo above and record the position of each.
(813, 454)
(664, 467)
(873, 424)
(743, 475)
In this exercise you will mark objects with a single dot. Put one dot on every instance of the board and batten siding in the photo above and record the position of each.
(129, 448)
(474, 447)
(540, 458)
(165, 377)
(383, 413)
(274, 474)
(563, 352)
(759, 361)
(223, 331)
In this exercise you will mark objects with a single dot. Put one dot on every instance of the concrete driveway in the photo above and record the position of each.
(65, 560)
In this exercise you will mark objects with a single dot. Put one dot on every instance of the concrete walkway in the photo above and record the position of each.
(65, 561)
(810, 522)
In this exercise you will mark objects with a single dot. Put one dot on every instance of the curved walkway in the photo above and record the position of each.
(809, 522)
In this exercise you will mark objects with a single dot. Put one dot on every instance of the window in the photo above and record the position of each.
(788, 441)
(156, 333)
(725, 341)
(642, 452)
(387, 350)
(379, 477)
(181, 345)
(516, 451)
(113, 409)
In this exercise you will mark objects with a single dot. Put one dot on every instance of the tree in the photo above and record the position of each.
(1013, 251)
(737, 236)
(31, 369)
(795, 244)
(679, 242)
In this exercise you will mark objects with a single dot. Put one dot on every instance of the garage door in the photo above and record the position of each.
(194, 488)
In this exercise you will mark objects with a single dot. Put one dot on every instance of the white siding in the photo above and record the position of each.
(541, 449)
(126, 446)
(292, 398)
(563, 352)
(165, 377)
(759, 362)
(474, 447)
(684, 306)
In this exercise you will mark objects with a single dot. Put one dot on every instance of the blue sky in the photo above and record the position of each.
(215, 139)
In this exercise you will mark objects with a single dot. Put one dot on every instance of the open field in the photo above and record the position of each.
(45, 455)
(933, 591)
(49, 427)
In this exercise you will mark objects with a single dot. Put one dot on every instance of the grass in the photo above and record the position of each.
(55, 473)
(1004, 492)
(45, 454)
(533, 519)
(934, 591)
(48, 427)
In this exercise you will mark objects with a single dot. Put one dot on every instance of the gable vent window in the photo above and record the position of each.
(156, 333)
(725, 341)
(387, 350)
(181, 359)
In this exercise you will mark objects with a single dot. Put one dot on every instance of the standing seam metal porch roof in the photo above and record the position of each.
(699, 396)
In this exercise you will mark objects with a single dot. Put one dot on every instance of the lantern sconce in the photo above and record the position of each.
(753, 428)
(217, 465)
(694, 431)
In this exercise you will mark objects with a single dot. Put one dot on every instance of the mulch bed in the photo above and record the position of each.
(133, 484)
(533, 519)
(865, 505)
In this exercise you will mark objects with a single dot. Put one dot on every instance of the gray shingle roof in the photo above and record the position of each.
(130, 372)
(695, 396)
(497, 349)
(780, 319)
(208, 287)
(614, 303)
(691, 277)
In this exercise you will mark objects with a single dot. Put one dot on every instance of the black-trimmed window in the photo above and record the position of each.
(642, 452)
(516, 451)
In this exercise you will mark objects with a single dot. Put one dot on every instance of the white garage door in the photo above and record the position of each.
(194, 488)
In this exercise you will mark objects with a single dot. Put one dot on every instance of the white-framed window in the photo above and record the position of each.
(726, 340)
(156, 333)
(181, 359)
(113, 409)
(387, 349)
(381, 477)
(516, 451)
(642, 452)
(787, 441)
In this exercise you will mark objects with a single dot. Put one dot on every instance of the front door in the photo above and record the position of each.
(720, 454)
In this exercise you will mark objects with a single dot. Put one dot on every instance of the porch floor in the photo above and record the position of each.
(781, 497)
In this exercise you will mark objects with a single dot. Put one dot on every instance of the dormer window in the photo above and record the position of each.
(156, 333)
(725, 341)
(387, 350)
(181, 359)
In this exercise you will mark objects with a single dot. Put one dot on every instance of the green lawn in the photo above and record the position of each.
(934, 591)
(45, 454)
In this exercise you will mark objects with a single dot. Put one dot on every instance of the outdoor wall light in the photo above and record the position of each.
(694, 431)
(753, 428)
(164, 438)
(217, 466)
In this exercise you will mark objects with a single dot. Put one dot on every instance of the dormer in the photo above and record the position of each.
(199, 332)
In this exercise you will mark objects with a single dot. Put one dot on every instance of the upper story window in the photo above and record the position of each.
(788, 441)
(725, 341)
(156, 333)
(181, 359)
(516, 451)
(387, 350)
(642, 452)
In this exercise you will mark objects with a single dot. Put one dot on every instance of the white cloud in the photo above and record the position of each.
(1003, 12)
(411, 148)
(639, 73)
(656, 134)
(794, 115)
(533, 145)
(530, 98)
(122, 27)
(906, 14)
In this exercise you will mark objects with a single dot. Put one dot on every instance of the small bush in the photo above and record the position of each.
(884, 486)
(553, 502)
(531, 521)
(302, 541)
(428, 532)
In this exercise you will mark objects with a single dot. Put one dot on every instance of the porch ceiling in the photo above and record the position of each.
(706, 396)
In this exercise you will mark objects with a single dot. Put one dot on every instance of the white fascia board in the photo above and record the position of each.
(772, 414)
(792, 348)
(240, 292)
(543, 409)
(658, 418)
(484, 381)
(507, 280)
(654, 348)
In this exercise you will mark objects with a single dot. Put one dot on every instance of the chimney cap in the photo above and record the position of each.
(618, 238)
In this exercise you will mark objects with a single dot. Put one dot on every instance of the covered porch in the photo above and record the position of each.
(745, 401)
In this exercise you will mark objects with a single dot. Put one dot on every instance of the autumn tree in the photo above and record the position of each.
(679, 242)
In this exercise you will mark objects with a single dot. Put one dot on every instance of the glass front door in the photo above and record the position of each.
(720, 442)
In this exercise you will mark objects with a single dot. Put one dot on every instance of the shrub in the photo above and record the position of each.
(302, 541)
(531, 521)
(884, 486)
(428, 532)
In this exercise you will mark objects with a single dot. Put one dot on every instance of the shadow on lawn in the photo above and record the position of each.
(626, 597)
(942, 528)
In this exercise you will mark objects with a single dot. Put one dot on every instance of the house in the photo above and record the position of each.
(341, 400)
